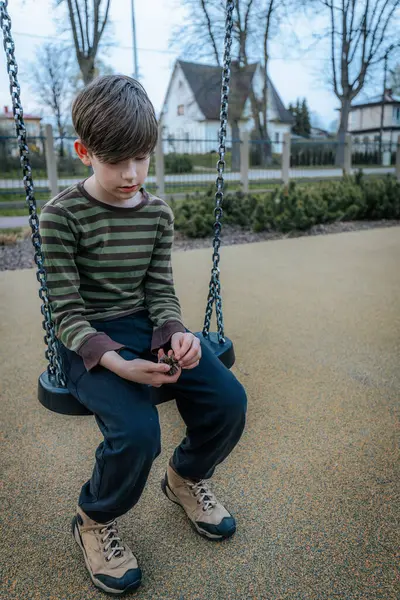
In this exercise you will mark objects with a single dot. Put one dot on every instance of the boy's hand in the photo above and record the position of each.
(145, 371)
(187, 349)
(139, 370)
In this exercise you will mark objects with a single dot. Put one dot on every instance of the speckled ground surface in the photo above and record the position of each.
(314, 481)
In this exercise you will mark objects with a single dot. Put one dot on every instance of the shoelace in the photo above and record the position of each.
(207, 498)
(111, 531)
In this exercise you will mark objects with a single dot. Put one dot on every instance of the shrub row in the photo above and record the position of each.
(296, 207)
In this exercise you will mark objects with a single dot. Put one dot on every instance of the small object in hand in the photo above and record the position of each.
(172, 362)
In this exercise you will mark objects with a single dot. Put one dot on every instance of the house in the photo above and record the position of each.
(190, 114)
(317, 133)
(33, 129)
(365, 120)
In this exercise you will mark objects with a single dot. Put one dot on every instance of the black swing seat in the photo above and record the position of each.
(60, 400)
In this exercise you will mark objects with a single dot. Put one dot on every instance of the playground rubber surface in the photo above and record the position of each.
(314, 480)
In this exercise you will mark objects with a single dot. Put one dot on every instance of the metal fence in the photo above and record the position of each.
(183, 165)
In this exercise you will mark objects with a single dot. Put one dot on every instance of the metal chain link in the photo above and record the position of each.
(214, 294)
(54, 367)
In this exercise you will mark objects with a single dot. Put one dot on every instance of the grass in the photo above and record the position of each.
(15, 212)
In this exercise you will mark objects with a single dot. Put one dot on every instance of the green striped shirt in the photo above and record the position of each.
(105, 262)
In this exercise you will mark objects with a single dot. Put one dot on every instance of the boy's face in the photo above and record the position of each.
(120, 180)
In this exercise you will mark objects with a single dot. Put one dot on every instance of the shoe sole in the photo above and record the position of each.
(131, 587)
(205, 534)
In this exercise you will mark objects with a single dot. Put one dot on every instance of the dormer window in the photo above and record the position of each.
(181, 110)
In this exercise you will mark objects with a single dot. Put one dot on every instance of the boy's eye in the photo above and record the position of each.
(141, 157)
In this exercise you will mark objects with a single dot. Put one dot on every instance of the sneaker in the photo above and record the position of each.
(112, 566)
(207, 516)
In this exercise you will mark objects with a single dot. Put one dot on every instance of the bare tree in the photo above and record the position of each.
(359, 32)
(255, 21)
(100, 69)
(88, 19)
(50, 78)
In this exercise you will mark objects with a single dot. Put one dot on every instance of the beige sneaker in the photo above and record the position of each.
(112, 566)
(207, 516)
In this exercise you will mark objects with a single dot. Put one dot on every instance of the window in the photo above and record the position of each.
(396, 115)
(277, 137)
(181, 109)
(187, 137)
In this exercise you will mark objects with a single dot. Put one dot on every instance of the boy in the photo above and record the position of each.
(107, 246)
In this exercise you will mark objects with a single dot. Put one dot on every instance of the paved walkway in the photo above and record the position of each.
(314, 481)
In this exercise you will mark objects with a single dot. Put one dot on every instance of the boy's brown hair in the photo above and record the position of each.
(115, 119)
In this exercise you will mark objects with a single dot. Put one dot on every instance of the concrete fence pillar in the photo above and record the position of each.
(348, 149)
(160, 163)
(398, 159)
(51, 163)
(245, 160)
(286, 157)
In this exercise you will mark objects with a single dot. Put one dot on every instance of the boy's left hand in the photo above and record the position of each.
(187, 349)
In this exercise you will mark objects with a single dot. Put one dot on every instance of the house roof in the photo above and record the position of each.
(390, 98)
(7, 114)
(205, 81)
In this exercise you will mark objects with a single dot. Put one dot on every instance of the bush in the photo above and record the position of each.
(294, 207)
(178, 163)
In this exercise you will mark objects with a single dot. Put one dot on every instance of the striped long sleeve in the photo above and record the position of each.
(105, 262)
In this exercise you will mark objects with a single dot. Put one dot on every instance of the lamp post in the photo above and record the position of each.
(135, 61)
(386, 57)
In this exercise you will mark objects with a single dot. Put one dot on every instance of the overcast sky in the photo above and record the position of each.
(294, 75)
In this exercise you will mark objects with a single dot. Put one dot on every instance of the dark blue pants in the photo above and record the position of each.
(210, 399)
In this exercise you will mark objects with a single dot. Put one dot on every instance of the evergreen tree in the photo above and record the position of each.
(305, 119)
(301, 114)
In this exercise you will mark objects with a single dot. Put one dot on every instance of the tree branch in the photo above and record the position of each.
(73, 25)
(87, 21)
(80, 27)
(353, 2)
(371, 52)
(247, 15)
(384, 28)
(96, 32)
(105, 18)
(333, 60)
(210, 32)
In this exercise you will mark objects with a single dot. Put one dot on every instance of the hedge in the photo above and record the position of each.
(293, 207)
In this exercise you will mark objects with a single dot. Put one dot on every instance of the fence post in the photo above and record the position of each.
(347, 154)
(398, 159)
(286, 157)
(51, 163)
(160, 162)
(244, 160)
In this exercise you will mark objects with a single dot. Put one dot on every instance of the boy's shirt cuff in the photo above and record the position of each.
(162, 335)
(93, 348)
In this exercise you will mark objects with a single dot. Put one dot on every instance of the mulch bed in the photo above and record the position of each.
(20, 254)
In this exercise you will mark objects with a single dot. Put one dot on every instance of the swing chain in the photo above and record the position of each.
(214, 294)
(54, 367)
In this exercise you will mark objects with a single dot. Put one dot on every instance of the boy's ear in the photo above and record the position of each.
(82, 152)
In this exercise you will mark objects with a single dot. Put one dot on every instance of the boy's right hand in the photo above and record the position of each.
(139, 370)
(145, 371)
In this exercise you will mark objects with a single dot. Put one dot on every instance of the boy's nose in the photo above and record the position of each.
(130, 172)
